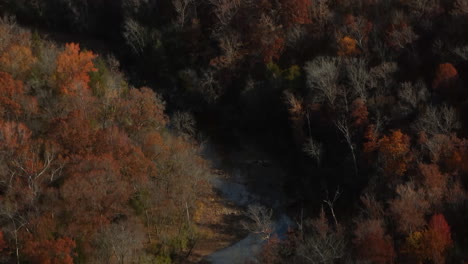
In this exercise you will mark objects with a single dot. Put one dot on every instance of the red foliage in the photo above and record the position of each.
(296, 11)
(437, 239)
(74, 133)
(94, 194)
(3, 243)
(445, 76)
(269, 253)
(371, 139)
(135, 167)
(73, 67)
(14, 137)
(53, 251)
(9, 91)
(140, 111)
(372, 244)
(272, 51)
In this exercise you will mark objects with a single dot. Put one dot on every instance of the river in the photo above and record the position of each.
(253, 179)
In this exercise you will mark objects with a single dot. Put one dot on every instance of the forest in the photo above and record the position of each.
(121, 119)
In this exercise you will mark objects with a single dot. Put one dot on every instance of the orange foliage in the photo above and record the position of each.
(445, 76)
(359, 112)
(14, 103)
(17, 60)
(54, 251)
(73, 67)
(347, 46)
(9, 92)
(394, 150)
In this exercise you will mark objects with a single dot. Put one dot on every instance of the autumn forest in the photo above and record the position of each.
(234, 131)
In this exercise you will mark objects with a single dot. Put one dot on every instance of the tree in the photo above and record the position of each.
(10, 90)
(52, 251)
(314, 149)
(394, 150)
(72, 71)
(434, 181)
(347, 47)
(344, 128)
(359, 113)
(74, 133)
(409, 208)
(261, 221)
(446, 76)
(3, 243)
(14, 103)
(296, 11)
(432, 243)
(181, 7)
(438, 120)
(17, 60)
(95, 194)
(321, 243)
(323, 74)
(437, 239)
(400, 34)
(140, 110)
(371, 242)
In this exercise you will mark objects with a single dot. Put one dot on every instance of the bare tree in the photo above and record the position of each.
(314, 149)
(323, 74)
(321, 14)
(181, 7)
(184, 123)
(331, 204)
(359, 77)
(460, 7)
(343, 127)
(225, 10)
(17, 223)
(119, 243)
(438, 120)
(412, 95)
(322, 244)
(462, 52)
(400, 38)
(210, 86)
(261, 222)
(135, 35)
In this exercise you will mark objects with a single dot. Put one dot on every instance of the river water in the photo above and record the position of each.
(253, 180)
